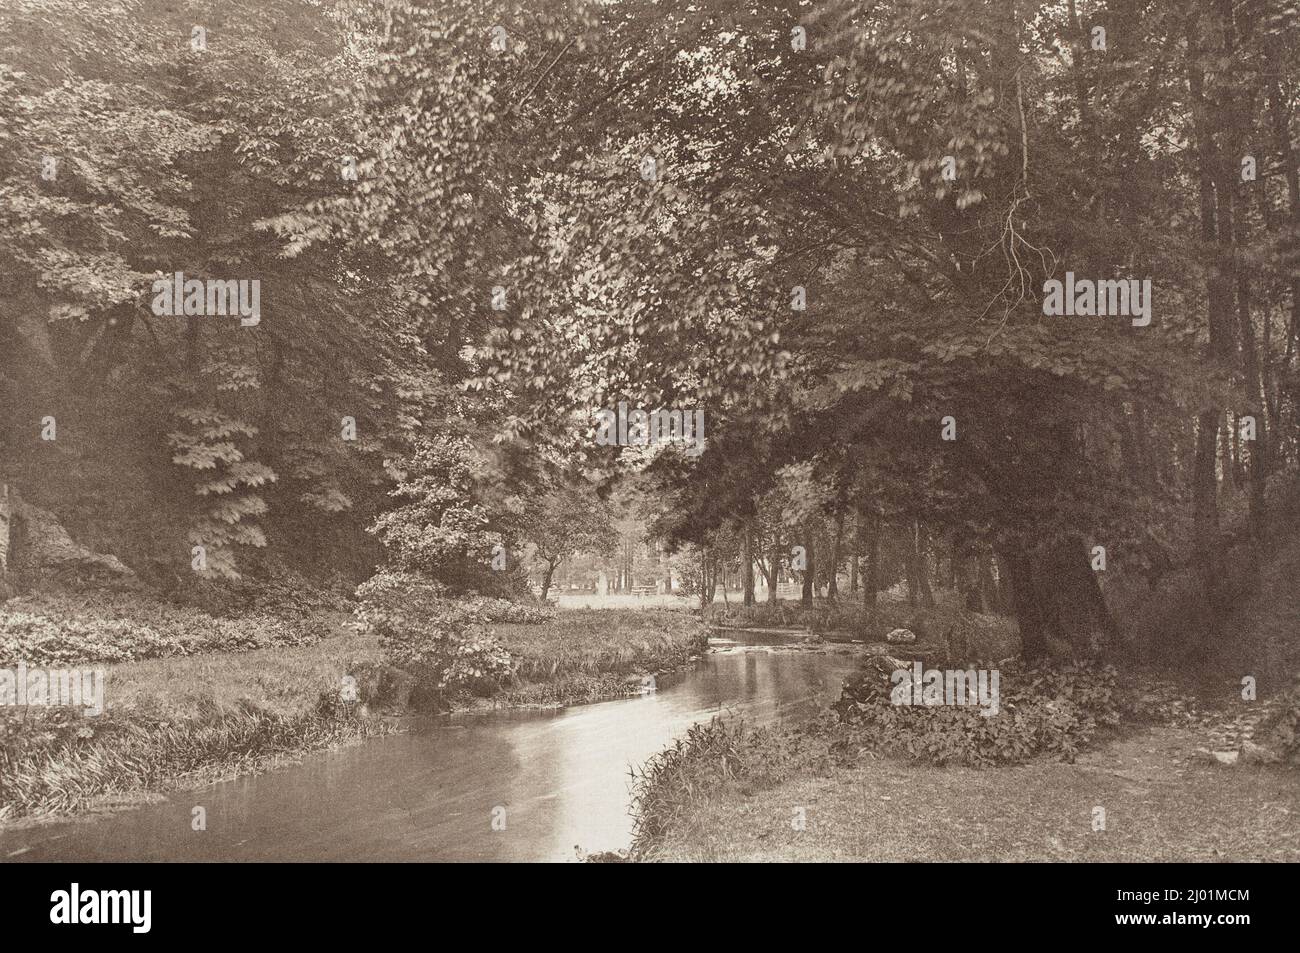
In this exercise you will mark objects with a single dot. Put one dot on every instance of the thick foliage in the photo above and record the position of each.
(60, 629)
(1043, 711)
(445, 644)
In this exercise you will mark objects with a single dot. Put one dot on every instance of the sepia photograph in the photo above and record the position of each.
(650, 431)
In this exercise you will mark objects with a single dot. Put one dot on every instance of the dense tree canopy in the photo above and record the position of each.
(830, 227)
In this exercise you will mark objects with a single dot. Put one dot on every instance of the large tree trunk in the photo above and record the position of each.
(1280, 116)
(1214, 231)
(1132, 441)
(774, 567)
(546, 579)
(1230, 450)
(810, 572)
(1002, 589)
(6, 521)
(1031, 615)
(909, 570)
(6, 510)
(871, 584)
(833, 587)
(1259, 447)
(990, 593)
(706, 590)
(747, 563)
(1057, 599)
(1236, 225)
(923, 563)
(967, 576)
(918, 572)
(1205, 508)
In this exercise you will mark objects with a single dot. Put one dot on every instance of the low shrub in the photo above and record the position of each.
(52, 628)
(521, 654)
(1280, 734)
(443, 643)
(1042, 711)
(489, 610)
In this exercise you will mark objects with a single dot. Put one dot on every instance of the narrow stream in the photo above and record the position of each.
(432, 794)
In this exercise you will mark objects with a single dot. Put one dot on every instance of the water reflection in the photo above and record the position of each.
(562, 779)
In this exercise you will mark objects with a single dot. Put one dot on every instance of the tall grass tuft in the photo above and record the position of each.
(710, 758)
(65, 772)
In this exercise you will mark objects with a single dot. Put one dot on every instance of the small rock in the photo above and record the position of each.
(901, 636)
(1252, 753)
(1225, 757)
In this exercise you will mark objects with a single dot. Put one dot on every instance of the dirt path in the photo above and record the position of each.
(1162, 801)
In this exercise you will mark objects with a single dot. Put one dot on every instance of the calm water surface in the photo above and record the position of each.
(429, 795)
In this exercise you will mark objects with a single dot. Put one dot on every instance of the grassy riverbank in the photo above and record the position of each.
(588, 655)
(831, 790)
(180, 716)
(941, 630)
(1162, 801)
(1184, 767)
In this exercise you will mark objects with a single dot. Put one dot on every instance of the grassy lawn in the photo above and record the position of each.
(589, 654)
(581, 656)
(598, 640)
(1162, 803)
(280, 679)
(288, 679)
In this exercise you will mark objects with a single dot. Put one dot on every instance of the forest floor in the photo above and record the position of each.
(1163, 801)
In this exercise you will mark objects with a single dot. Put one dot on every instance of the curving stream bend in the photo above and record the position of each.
(433, 793)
